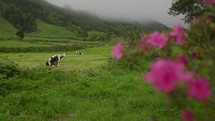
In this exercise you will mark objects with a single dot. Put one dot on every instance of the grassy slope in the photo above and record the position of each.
(49, 35)
(53, 31)
(6, 29)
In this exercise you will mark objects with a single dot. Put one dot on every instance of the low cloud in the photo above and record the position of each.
(138, 10)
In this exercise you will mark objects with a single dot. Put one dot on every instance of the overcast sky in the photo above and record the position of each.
(125, 9)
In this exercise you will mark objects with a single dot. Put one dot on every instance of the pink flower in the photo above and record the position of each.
(187, 116)
(209, 1)
(180, 40)
(144, 45)
(199, 89)
(117, 51)
(194, 55)
(166, 74)
(177, 32)
(157, 39)
(194, 21)
(182, 59)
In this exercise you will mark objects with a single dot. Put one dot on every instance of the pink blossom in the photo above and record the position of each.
(143, 45)
(117, 51)
(209, 1)
(199, 89)
(194, 55)
(187, 116)
(194, 21)
(157, 39)
(177, 32)
(166, 74)
(180, 40)
(182, 59)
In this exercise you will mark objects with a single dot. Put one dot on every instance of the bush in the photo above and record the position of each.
(20, 34)
(8, 68)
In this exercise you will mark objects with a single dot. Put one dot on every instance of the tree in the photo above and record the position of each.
(189, 8)
(20, 34)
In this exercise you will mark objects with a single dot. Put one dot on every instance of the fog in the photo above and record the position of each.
(138, 10)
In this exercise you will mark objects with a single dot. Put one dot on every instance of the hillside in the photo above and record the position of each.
(6, 29)
(48, 30)
(24, 15)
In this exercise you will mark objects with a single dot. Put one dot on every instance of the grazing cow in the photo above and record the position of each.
(55, 59)
(78, 53)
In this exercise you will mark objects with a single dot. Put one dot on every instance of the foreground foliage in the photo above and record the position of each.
(183, 69)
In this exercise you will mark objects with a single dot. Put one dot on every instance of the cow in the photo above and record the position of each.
(78, 53)
(55, 60)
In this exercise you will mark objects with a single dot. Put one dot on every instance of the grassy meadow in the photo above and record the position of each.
(91, 58)
(90, 87)
(85, 90)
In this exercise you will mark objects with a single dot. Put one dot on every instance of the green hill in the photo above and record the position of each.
(52, 31)
(47, 20)
(6, 29)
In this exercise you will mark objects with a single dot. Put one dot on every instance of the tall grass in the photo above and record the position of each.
(109, 93)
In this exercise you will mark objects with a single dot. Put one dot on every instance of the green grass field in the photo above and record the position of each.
(83, 88)
(96, 33)
(16, 43)
(80, 89)
(91, 58)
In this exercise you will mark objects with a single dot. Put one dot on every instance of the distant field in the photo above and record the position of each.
(66, 42)
(16, 43)
(96, 33)
(91, 58)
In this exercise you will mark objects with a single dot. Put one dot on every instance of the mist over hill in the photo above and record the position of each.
(22, 14)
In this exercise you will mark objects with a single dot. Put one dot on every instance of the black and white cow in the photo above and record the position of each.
(78, 53)
(55, 60)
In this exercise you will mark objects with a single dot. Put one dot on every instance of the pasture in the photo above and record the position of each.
(164, 71)
(91, 58)
(79, 90)
(87, 87)
(90, 87)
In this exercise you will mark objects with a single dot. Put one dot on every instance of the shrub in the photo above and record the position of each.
(8, 68)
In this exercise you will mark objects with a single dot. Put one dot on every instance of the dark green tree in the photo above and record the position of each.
(20, 34)
(188, 8)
